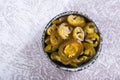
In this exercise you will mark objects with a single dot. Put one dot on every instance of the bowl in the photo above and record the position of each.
(83, 66)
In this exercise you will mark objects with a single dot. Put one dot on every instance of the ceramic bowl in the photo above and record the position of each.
(83, 66)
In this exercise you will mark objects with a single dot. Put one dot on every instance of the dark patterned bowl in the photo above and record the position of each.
(83, 66)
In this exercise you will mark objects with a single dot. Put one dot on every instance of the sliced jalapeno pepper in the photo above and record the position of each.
(59, 21)
(89, 50)
(90, 28)
(77, 61)
(49, 48)
(55, 56)
(55, 39)
(51, 29)
(71, 40)
(68, 61)
(64, 30)
(47, 40)
(83, 59)
(76, 20)
(65, 61)
(74, 65)
(78, 33)
(93, 38)
(70, 49)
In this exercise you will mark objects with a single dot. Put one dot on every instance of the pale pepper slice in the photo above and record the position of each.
(55, 39)
(78, 33)
(75, 20)
(64, 30)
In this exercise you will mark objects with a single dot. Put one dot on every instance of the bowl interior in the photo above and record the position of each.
(85, 65)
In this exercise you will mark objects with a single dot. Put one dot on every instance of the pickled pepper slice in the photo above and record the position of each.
(51, 29)
(55, 39)
(59, 21)
(83, 59)
(90, 28)
(93, 38)
(75, 20)
(55, 56)
(47, 40)
(89, 50)
(70, 49)
(64, 30)
(49, 48)
(71, 40)
(78, 33)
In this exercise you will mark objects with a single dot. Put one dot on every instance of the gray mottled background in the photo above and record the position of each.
(21, 26)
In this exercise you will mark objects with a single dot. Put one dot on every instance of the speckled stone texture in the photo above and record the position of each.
(21, 26)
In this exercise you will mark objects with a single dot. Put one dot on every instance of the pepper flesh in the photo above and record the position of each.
(51, 29)
(90, 28)
(89, 50)
(76, 20)
(70, 49)
(64, 31)
(49, 48)
(59, 21)
(93, 38)
(55, 39)
(47, 40)
(55, 56)
(71, 40)
(78, 33)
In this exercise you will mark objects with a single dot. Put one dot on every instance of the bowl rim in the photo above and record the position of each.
(83, 66)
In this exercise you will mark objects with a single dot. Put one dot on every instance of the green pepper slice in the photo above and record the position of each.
(51, 29)
(47, 40)
(93, 38)
(89, 50)
(55, 56)
(59, 21)
(90, 28)
(55, 39)
(49, 48)
(70, 49)
(75, 20)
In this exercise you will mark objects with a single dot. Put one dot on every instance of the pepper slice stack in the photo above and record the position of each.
(72, 40)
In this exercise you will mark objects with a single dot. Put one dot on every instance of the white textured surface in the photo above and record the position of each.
(22, 23)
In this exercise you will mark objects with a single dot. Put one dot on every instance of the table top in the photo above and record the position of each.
(22, 23)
